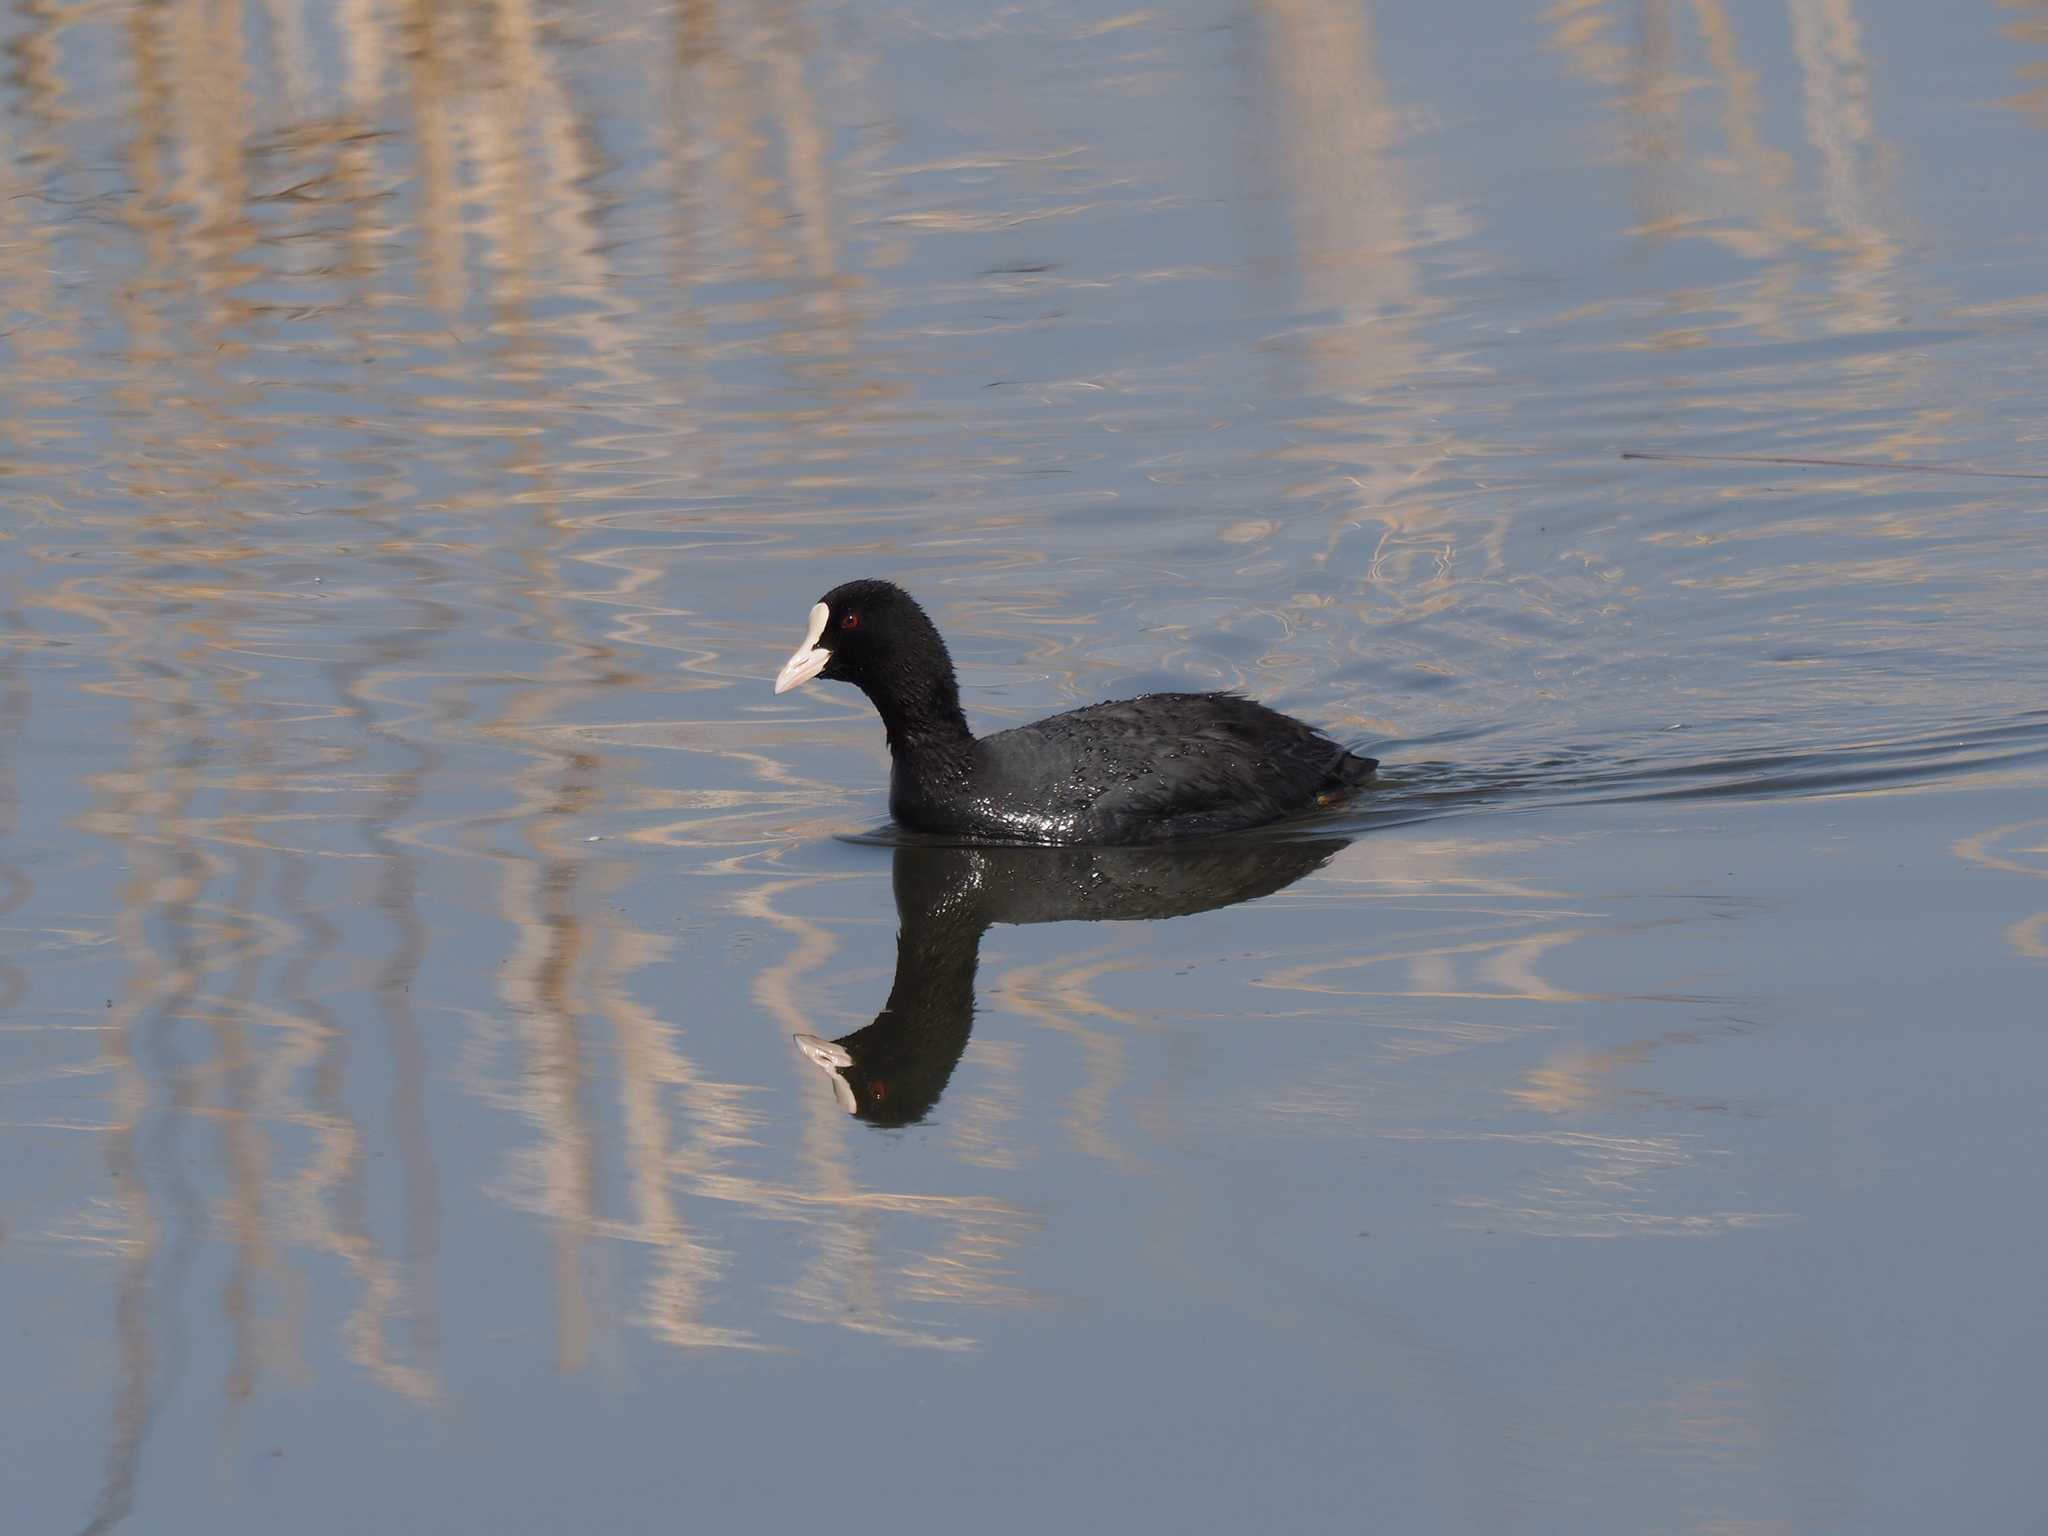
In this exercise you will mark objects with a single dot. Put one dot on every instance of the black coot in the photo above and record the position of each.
(1141, 770)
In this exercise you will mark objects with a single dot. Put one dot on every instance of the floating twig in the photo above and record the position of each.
(1912, 469)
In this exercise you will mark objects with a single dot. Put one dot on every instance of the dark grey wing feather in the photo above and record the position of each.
(1169, 765)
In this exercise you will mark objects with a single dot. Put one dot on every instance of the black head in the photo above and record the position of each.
(874, 635)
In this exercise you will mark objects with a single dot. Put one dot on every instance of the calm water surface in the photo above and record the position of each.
(435, 971)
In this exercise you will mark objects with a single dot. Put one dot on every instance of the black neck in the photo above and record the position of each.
(921, 714)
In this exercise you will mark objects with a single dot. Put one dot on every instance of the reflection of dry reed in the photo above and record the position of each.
(983, 1125)
(1742, 192)
(1637, 64)
(2029, 28)
(329, 1199)
(1450, 934)
(1656, 117)
(1583, 31)
(197, 932)
(1374, 454)
(15, 885)
(433, 240)
(573, 957)
(411, 1291)
(847, 1284)
(2021, 849)
(1572, 1080)
(1349, 207)
(141, 806)
(1499, 969)
(1058, 996)
(1769, 226)
(427, 45)
(681, 1287)
(542, 983)
(1855, 162)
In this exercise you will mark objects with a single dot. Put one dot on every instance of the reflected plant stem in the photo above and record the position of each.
(15, 886)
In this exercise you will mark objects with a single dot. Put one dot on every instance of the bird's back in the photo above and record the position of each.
(1160, 766)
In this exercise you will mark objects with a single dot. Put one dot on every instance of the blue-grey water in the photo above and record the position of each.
(435, 970)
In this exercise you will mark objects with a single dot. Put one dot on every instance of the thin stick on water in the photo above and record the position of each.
(1894, 465)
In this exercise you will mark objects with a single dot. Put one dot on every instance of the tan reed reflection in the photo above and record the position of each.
(1334, 130)
(686, 1268)
(532, 150)
(571, 967)
(574, 957)
(35, 140)
(328, 1198)
(1855, 162)
(1741, 192)
(211, 114)
(400, 1294)
(188, 928)
(1632, 50)
(806, 167)
(393, 1328)
(541, 982)
(2029, 29)
(1458, 960)
(985, 1124)
(475, 110)
(571, 958)
(1591, 37)
(16, 887)
(140, 805)
(426, 29)
(713, 68)
(1505, 967)
(1770, 225)
(394, 1331)
(198, 807)
(1656, 116)
(747, 103)
(1058, 995)
(462, 70)
(240, 1136)
(545, 892)
(196, 936)
(1572, 1080)
(2019, 848)
(844, 1276)
(136, 1021)
(1463, 961)
(849, 1283)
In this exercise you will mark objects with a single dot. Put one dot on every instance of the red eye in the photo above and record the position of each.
(851, 621)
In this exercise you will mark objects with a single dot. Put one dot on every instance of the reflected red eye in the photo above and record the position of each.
(851, 621)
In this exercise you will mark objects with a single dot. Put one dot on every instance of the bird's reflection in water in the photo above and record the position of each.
(893, 1071)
